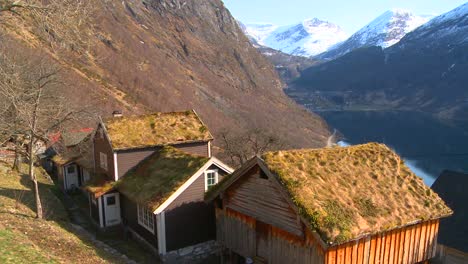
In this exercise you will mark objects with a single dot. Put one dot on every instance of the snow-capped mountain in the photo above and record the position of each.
(448, 29)
(424, 71)
(308, 38)
(259, 32)
(384, 31)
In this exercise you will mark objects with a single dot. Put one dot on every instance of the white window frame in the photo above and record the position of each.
(103, 160)
(215, 171)
(143, 211)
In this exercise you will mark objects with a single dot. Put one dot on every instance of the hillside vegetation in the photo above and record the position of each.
(25, 239)
(171, 55)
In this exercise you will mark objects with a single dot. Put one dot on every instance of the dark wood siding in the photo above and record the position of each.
(196, 191)
(94, 208)
(130, 218)
(411, 244)
(259, 198)
(190, 224)
(101, 144)
(127, 159)
(189, 220)
(200, 148)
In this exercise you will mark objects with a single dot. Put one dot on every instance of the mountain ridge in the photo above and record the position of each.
(424, 71)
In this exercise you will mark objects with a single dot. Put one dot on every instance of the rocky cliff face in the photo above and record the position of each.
(166, 55)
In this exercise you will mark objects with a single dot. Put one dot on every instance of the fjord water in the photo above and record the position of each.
(428, 145)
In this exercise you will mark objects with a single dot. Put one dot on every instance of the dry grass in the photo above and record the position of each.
(155, 179)
(99, 185)
(25, 239)
(156, 129)
(349, 192)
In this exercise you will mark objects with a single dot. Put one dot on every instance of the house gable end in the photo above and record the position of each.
(256, 195)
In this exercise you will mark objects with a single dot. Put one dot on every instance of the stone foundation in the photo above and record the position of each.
(192, 254)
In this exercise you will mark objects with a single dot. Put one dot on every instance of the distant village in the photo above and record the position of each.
(155, 178)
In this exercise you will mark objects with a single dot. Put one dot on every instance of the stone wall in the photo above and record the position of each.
(192, 254)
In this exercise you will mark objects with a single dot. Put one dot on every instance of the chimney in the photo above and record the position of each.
(117, 113)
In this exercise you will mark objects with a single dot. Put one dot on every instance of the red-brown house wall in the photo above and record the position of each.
(101, 144)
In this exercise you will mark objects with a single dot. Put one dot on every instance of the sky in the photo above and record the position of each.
(350, 15)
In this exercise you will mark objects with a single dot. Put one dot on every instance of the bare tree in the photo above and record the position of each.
(240, 147)
(34, 107)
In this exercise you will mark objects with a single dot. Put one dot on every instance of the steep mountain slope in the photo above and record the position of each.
(384, 31)
(308, 38)
(425, 71)
(169, 55)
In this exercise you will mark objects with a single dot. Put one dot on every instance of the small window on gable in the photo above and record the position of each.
(146, 218)
(71, 169)
(211, 179)
(111, 200)
(103, 160)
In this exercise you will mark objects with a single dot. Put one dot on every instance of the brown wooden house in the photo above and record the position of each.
(357, 204)
(151, 174)
(71, 155)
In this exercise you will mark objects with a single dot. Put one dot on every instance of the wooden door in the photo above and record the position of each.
(263, 240)
(112, 209)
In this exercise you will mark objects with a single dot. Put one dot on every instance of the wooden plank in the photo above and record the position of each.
(430, 252)
(367, 250)
(382, 248)
(397, 246)
(378, 242)
(401, 246)
(391, 252)
(411, 245)
(340, 255)
(406, 242)
(348, 253)
(360, 253)
(417, 239)
(332, 255)
(422, 242)
(354, 252)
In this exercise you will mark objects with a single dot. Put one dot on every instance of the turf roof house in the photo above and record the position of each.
(71, 155)
(357, 204)
(152, 172)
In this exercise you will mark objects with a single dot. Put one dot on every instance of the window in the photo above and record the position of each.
(146, 218)
(111, 200)
(103, 160)
(211, 178)
(71, 169)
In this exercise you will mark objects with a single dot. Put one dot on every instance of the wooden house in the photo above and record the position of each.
(71, 156)
(357, 204)
(151, 174)
(453, 238)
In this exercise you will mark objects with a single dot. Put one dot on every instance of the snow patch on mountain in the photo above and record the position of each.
(384, 31)
(308, 38)
(259, 32)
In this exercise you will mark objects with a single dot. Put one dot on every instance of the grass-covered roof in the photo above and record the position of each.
(99, 185)
(156, 178)
(156, 129)
(346, 193)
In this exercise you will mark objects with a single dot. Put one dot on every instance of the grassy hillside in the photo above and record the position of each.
(24, 239)
(173, 55)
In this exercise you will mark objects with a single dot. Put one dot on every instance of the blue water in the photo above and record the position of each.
(427, 144)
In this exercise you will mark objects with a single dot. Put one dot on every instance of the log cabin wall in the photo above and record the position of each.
(407, 245)
(257, 221)
(258, 197)
(240, 233)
